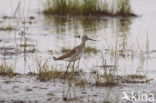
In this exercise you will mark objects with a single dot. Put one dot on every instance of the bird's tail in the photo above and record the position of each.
(54, 58)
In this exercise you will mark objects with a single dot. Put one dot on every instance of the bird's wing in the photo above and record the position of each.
(68, 54)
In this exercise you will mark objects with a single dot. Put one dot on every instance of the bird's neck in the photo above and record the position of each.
(83, 43)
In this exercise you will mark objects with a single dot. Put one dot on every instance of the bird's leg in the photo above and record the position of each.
(67, 68)
(77, 67)
(73, 66)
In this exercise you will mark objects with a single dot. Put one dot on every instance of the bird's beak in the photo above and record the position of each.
(91, 39)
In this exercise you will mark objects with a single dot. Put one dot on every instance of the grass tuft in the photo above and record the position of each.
(88, 8)
(7, 70)
(124, 7)
(47, 72)
(106, 80)
(135, 78)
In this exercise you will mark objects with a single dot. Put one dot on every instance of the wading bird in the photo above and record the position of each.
(75, 53)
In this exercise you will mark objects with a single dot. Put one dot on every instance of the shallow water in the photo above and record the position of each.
(45, 36)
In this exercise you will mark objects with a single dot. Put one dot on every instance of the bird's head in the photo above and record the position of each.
(85, 38)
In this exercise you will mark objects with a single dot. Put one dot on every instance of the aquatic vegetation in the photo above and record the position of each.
(46, 72)
(64, 50)
(88, 8)
(89, 49)
(45, 75)
(123, 7)
(17, 8)
(135, 78)
(24, 45)
(27, 45)
(9, 28)
(106, 80)
(68, 99)
(32, 17)
(6, 69)
(109, 77)
(27, 22)
(28, 89)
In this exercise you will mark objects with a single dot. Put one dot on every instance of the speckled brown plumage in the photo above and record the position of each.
(75, 53)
